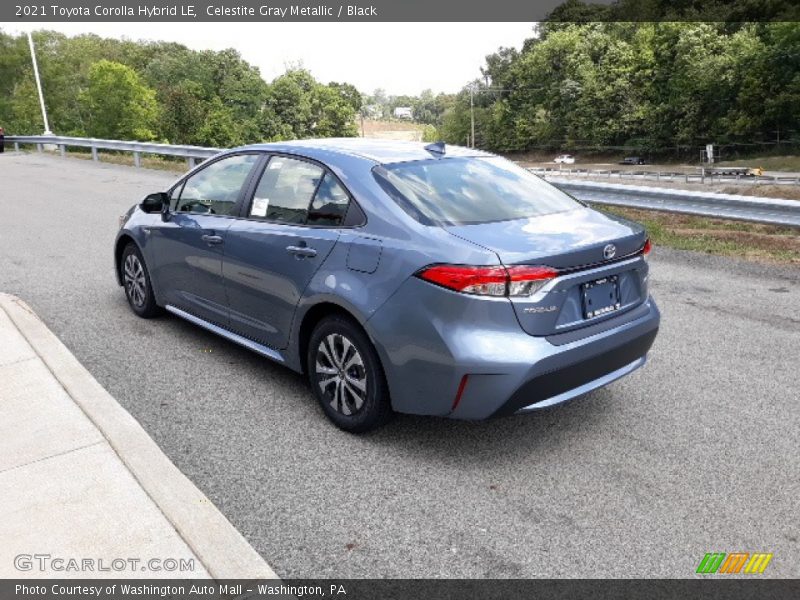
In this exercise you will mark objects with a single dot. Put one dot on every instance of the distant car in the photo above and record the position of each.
(633, 160)
(398, 277)
(566, 159)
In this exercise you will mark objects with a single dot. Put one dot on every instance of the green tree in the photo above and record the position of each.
(23, 106)
(289, 100)
(430, 134)
(14, 72)
(236, 82)
(201, 97)
(220, 128)
(118, 104)
(183, 113)
(653, 87)
(297, 106)
(349, 94)
(333, 115)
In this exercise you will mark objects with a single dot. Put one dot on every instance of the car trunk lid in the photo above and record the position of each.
(600, 273)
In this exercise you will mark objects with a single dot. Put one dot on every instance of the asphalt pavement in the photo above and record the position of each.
(697, 452)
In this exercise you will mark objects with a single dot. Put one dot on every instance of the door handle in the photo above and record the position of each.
(211, 240)
(301, 251)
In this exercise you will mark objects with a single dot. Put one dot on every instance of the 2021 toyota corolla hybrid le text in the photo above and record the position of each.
(398, 277)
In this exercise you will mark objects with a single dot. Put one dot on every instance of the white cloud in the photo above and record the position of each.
(402, 58)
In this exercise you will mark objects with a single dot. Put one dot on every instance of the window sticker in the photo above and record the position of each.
(260, 206)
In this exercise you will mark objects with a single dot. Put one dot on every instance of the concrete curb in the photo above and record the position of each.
(215, 541)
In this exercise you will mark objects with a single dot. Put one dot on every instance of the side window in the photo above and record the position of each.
(285, 190)
(330, 203)
(215, 189)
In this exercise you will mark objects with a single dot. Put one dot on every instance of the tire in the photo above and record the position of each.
(136, 281)
(356, 397)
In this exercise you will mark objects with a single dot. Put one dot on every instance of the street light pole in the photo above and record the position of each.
(472, 114)
(39, 86)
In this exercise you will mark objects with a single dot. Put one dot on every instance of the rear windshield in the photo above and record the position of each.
(466, 191)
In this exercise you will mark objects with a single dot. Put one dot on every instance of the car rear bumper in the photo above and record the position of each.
(561, 373)
(579, 378)
(429, 354)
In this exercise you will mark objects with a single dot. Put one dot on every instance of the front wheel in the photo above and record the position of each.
(346, 376)
(136, 279)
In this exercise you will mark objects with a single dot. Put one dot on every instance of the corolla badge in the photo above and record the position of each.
(609, 251)
(539, 309)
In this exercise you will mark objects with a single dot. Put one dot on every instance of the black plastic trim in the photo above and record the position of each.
(568, 378)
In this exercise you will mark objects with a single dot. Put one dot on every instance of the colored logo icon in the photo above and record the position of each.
(735, 562)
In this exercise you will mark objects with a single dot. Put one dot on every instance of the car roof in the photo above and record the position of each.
(378, 151)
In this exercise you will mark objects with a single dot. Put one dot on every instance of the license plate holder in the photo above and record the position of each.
(600, 296)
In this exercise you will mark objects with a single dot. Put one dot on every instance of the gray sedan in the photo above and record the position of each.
(398, 277)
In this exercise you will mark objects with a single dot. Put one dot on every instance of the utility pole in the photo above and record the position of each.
(472, 113)
(39, 86)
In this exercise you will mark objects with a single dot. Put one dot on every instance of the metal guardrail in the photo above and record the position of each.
(700, 177)
(726, 206)
(722, 206)
(190, 153)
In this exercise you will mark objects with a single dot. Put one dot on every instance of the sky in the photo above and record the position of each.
(401, 58)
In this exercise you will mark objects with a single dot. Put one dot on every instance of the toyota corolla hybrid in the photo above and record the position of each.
(398, 277)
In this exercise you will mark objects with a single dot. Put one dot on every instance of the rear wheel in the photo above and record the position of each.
(136, 280)
(346, 376)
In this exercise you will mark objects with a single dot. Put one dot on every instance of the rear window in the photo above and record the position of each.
(465, 191)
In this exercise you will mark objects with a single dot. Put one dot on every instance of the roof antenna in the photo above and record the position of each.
(437, 149)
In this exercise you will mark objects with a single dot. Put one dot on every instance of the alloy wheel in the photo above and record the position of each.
(341, 374)
(135, 282)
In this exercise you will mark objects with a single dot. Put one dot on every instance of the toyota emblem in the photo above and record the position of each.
(609, 251)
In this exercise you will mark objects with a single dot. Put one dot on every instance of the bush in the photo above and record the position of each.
(430, 134)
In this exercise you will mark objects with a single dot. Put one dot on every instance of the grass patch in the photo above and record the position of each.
(148, 161)
(783, 192)
(751, 241)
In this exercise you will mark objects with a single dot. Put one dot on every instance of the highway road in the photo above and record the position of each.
(697, 452)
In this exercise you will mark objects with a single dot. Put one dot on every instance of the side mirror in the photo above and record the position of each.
(154, 203)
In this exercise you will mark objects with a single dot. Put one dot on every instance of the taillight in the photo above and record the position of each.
(525, 280)
(647, 248)
(519, 280)
(483, 281)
